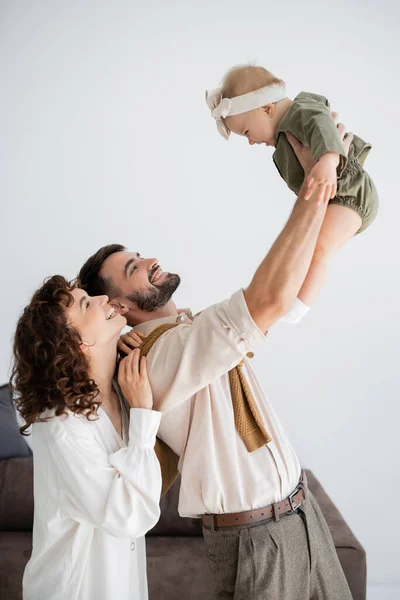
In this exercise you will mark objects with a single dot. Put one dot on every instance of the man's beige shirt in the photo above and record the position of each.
(188, 370)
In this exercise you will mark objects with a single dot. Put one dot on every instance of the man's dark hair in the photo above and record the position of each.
(89, 277)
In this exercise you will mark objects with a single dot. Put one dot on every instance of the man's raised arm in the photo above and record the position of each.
(278, 279)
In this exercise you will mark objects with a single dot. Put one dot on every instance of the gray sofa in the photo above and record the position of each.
(176, 562)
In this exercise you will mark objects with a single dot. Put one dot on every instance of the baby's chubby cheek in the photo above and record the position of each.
(235, 124)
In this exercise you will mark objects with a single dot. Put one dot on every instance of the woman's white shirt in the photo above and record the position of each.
(96, 495)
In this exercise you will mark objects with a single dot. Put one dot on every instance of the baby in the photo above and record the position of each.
(252, 102)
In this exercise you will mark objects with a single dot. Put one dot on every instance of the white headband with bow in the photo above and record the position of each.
(227, 107)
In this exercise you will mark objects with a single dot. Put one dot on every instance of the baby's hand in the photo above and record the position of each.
(323, 179)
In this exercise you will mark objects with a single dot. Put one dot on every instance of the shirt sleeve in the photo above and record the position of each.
(118, 493)
(311, 122)
(187, 358)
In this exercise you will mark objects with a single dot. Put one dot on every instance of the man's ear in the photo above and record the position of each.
(123, 308)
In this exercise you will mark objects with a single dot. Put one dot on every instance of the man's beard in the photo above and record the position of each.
(158, 296)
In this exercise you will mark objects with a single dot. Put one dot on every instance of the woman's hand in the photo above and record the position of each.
(134, 382)
(320, 176)
(129, 341)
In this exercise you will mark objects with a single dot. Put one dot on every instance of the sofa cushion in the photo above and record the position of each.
(16, 494)
(12, 443)
(170, 523)
(177, 567)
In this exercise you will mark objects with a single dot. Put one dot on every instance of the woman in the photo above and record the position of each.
(97, 480)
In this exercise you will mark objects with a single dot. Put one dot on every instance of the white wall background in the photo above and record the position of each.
(105, 137)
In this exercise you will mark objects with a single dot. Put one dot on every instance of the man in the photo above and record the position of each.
(264, 533)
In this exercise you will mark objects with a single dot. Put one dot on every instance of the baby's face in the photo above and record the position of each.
(256, 125)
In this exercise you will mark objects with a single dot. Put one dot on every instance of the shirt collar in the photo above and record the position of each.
(148, 326)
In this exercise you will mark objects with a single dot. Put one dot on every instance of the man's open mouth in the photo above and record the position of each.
(156, 276)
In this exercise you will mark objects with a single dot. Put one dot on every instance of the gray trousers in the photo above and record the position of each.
(290, 559)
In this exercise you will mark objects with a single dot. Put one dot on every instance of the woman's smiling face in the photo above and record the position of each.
(97, 321)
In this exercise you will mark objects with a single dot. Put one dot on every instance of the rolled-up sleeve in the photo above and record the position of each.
(236, 316)
(118, 493)
(187, 358)
(313, 125)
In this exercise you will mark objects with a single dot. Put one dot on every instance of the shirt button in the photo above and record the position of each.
(132, 545)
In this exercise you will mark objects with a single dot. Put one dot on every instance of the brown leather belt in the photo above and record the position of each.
(276, 510)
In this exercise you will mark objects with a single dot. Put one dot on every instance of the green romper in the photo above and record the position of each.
(309, 119)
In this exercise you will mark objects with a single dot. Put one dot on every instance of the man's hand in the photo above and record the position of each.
(326, 165)
(129, 341)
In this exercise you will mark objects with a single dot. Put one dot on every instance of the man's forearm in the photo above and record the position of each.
(280, 276)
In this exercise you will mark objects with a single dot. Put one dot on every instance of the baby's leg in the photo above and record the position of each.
(340, 224)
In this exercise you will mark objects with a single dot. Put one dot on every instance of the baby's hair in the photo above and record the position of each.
(247, 78)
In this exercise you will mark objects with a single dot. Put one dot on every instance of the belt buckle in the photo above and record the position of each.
(290, 498)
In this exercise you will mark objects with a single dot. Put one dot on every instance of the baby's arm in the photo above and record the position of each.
(316, 129)
(323, 178)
